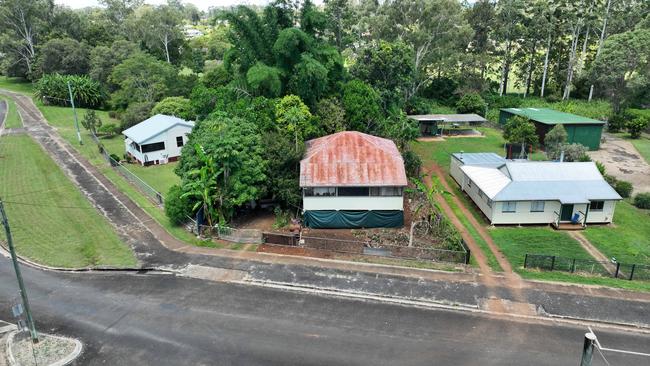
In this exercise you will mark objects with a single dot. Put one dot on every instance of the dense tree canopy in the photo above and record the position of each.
(262, 80)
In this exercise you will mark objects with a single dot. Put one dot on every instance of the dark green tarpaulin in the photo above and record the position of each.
(331, 219)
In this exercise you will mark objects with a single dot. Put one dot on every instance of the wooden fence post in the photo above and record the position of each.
(553, 263)
(632, 271)
(526, 261)
(573, 265)
(618, 267)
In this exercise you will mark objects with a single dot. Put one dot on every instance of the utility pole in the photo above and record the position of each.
(588, 349)
(19, 277)
(74, 111)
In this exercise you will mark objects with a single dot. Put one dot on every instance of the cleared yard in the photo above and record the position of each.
(628, 239)
(13, 118)
(52, 222)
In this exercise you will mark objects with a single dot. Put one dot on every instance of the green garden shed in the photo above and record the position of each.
(582, 130)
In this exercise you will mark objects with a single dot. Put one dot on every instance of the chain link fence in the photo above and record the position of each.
(588, 267)
(141, 185)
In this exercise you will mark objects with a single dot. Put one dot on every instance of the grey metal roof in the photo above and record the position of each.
(480, 159)
(469, 117)
(563, 191)
(153, 126)
(575, 182)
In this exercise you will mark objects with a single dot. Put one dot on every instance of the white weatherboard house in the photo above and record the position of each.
(525, 192)
(157, 140)
(352, 180)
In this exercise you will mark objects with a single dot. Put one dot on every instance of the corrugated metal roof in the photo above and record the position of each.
(568, 182)
(552, 117)
(469, 117)
(563, 191)
(153, 126)
(490, 159)
(352, 158)
(490, 180)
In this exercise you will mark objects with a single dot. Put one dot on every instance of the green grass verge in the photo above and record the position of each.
(62, 119)
(629, 239)
(13, 117)
(52, 222)
(643, 146)
(16, 85)
(159, 177)
(585, 280)
(515, 242)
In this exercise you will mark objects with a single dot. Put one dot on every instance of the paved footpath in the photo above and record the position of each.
(155, 248)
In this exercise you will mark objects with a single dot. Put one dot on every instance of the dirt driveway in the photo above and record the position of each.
(623, 161)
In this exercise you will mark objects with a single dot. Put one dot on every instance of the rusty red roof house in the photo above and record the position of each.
(352, 180)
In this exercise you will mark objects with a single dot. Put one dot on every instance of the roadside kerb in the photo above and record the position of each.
(65, 361)
(542, 317)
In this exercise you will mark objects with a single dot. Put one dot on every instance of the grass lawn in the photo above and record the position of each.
(515, 242)
(439, 152)
(13, 118)
(62, 119)
(643, 146)
(160, 177)
(52, 222)
(16, 85)
(629, 240)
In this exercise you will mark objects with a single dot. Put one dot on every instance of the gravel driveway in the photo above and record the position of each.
(624, 162)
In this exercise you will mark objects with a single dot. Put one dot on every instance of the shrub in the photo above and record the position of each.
(91, 121)
(174, 106)
(623, 188)
(575, 152)
(601, 168)
(412, 163)
(216, 77)
(177, 208)
(52, 89)
(115, 157)
(636, 126)
(506, 101)
(642, 200)
(471, 103)
(610, 179)
(110, 129)
(113, 114)
(281, 218)
(616, 122)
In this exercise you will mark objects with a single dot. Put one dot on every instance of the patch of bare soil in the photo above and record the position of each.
(259, 220)
(623, 161)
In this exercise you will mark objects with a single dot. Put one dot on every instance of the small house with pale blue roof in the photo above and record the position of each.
(563, 194)
(157, 140)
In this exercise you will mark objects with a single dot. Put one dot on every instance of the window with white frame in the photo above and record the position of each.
(489, 203)
(597, 205)
(509, 206)
(537, 206)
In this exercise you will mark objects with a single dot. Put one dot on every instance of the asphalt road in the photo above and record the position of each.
(147, 319)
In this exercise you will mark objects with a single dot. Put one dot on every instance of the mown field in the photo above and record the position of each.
(52, 222)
